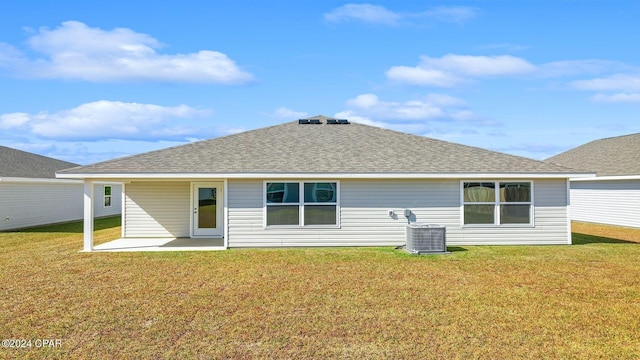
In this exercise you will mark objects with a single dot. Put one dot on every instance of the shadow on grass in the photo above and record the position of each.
(75, 227)
(450, 249)
(583, 239)
(455, 249)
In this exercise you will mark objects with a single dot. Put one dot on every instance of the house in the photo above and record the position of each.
(613, 196)
(328, 182)
(30, 194)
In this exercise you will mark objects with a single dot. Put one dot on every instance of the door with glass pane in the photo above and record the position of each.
(207, 209)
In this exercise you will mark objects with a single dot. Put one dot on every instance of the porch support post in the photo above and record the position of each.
(569, 235)
(88, 215)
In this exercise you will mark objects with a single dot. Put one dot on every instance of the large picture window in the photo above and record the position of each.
(301, 203)
(497, 202)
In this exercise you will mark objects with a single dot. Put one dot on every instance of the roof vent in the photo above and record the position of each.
(309, 121)
(338, 122)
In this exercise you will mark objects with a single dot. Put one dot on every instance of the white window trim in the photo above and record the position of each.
(497, 203)
(301, 204)
(104, 196)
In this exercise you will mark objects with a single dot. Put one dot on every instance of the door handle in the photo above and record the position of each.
(195, 210)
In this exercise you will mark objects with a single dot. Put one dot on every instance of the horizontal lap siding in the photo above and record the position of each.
(363, 212)
(365, 222)
(606, 202)
(245, 215)
(157, 209)
(25, 205)
(116, 200)
(550, 216)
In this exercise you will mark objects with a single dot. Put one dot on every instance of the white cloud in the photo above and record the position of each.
(617, 82)
(363, 101)
(286, 113)
(363, 12)
(9, 55)
(478, 65)
(77, 51)
(13, 120)
(456, 14)
(617, 98)
(108, 120)
(452, 69)
(369, 105)
(431, 115)
(354, 117)
(445, 100)
(375, 14)
(579, 67)
(420, 76)
(432, 107)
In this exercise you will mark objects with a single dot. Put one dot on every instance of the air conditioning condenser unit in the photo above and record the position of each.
(426, 239)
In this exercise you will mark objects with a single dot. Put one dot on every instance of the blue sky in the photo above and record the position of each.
(86, 81)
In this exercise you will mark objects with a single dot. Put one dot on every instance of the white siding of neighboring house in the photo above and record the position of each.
(157, 209)
(26, 204)
(98, 197)
(614, 202)
(32, 203)
(364, 206)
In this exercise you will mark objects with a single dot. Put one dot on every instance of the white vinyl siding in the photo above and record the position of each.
(31, 204)
(27, 204)
(157, 209)
(550, 219)
(364, 219)
(98, 198)
(613, 202)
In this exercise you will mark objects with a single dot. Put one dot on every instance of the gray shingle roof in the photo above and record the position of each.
(17, 163)
(292, 148)
(616, 156)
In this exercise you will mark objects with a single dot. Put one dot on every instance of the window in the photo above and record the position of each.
(301, 203)
(107, 196)
(283, 203)
(497, 202)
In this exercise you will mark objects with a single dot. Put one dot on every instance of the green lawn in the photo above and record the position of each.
(492, 302)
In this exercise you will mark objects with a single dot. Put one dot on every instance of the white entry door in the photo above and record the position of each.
(207, 208)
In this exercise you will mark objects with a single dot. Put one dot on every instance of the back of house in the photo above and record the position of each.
(322, 181)
(613, 196)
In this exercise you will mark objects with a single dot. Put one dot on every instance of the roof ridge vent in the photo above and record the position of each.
(338, 122)
(309, 122)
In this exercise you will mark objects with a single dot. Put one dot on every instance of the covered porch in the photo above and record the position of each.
(160, 244)
(164, 215)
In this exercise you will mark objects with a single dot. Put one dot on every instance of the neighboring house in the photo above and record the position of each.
(613, 197)
(30, 194)
(325, 182)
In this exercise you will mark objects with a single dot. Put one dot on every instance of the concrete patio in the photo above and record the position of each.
(161, 244)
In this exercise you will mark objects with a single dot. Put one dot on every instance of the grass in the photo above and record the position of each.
(607, 233)
(207, 216)
(491, 302)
